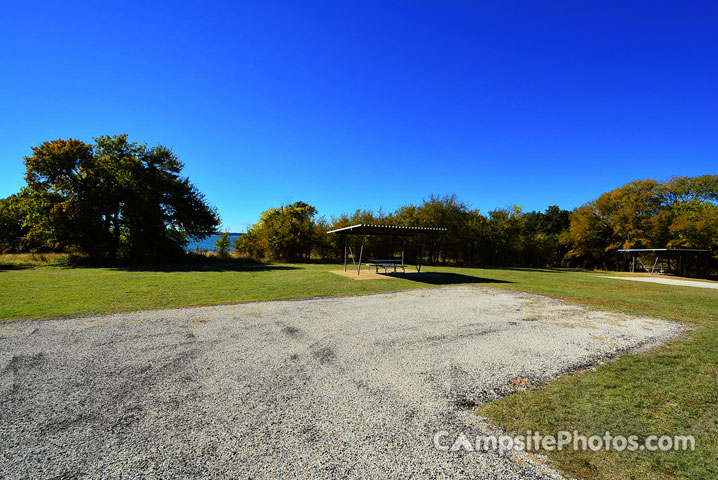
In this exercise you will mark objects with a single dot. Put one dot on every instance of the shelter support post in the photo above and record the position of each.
(667, 260)
(403, 244)
(361, 252)
(363, 230)
(346, 246)
(421, 258)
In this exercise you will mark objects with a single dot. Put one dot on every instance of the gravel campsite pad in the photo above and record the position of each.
(319, 388)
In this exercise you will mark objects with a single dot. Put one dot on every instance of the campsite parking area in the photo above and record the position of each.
(332, 387)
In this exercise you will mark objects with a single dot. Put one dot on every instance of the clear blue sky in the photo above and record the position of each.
(365, 105)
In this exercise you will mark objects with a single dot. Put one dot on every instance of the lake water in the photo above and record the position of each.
(207, 243)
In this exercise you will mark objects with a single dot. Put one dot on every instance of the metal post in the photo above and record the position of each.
(346, 245)
(403, 244)
(421, 259)
(654, 265)
(681, 269)
(633, 264)
(361, 251)
(668, 254)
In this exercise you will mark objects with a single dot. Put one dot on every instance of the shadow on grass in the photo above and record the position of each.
(535, 269)
(204, 267)
(14, 267)
(218, 267)
(189, 263)
(441, 278)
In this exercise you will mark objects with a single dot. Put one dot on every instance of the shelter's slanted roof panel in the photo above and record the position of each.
(369, 229)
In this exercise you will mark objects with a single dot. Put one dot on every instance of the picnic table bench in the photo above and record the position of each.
(386, 263)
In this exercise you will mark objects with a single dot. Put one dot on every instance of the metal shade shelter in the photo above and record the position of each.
(665, 252)
(364, 229)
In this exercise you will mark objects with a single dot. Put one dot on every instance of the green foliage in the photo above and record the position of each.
(114, 198)
(11, 224)
(222, 245)
(28, 222)
(283, 233)
(694, 212)
(680, 213)
(117, 198)
(507, 237)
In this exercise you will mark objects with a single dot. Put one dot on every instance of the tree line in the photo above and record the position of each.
(505, 237)
(679, 213)
(120, 200)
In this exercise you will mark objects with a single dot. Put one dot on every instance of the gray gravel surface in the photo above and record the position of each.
(669, 281)
(350, 387)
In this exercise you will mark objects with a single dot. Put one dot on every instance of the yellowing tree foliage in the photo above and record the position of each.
(283, 233)
(679, 213)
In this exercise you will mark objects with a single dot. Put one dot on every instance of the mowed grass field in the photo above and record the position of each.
(671, 390)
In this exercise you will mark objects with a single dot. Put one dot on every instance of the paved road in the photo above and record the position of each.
(669, 281)
(350, 387)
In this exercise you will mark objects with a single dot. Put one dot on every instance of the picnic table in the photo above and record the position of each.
(386, 263)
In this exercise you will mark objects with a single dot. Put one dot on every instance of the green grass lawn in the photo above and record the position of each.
(671, 390)
(30, 291)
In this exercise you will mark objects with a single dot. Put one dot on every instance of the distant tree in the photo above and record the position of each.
(449, 212)
(688, 190)
(114, 197)
(541, 244)
(682, 212)
(589, 235)
(283, 233)
(694, 209)
(694, 221)
(505, 228)
(11, 224)
(28, 222)
(637, 214)
(252, 244)
(223, 245)
(321, 242)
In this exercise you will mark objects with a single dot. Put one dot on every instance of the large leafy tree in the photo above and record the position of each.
(694, 209)
(589, 235)
(449, 212)
(505, 228)
(680, 213)
(284, 233)
(113, 198)
(540, 237)
(29, 223)
(11, 223)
